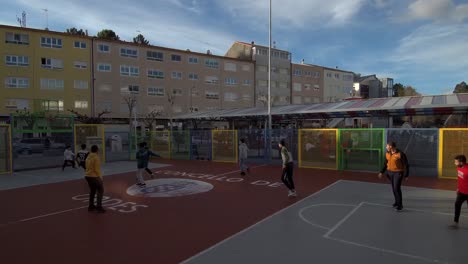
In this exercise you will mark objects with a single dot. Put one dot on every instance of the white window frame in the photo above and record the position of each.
(80, 65)
(50, 42)
(104, 67)
(52, 84)
(81, 44)
(193, 60)
(212, 95)
(230, 66)
(81, 104)
(16, 38)
(17, 82)
(177, 92)
(212, 63)
(211, 79)
(129, 52)
(155, 74)
(156, 91)
(154, 58)
(230, 81)
(176, 75)
(80, 84)
(176, 56)
(247, 82)
(51, 63)
(13, 60)
(104, 48)
(193, 76)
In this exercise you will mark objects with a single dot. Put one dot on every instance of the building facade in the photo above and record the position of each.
(167, 81)
(338, 84)
(44, 70)
(307, 84)
(280, 71)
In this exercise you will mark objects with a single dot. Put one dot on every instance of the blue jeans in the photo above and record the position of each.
(243, 165)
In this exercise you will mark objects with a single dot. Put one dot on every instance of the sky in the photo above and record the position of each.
(422, 43)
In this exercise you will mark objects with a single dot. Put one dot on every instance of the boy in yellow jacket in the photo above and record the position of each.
(94, 179)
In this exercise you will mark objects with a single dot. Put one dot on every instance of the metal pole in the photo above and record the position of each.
(269, 87)
(135, 127)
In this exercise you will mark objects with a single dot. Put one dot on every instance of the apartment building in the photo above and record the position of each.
(387, 86)
(307, 83)
(153, 75)
(44, 70)
(338, 84)
(280, 71)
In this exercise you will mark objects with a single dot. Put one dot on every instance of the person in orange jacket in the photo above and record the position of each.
(396, 166)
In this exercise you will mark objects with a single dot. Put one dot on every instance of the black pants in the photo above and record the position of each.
(82, 164)
(396, 179)
(66, 162)
(95, 186)
(287, 176)
(461, 198)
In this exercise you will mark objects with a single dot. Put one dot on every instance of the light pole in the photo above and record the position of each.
(269, 86)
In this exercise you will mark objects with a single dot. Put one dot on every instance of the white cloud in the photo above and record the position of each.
(435, 47)
(295, 13)
(439, 10)
(161, 25)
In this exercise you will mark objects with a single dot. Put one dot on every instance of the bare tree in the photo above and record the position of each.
(263, 98)
(150, 119)
(171, 100)
(27, 117)
(131, 101)
(85, 119)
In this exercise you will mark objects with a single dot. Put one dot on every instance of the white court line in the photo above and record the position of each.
(342, 220)
(416, 210)
(77, 208)
(254, 225)
(385, 250)
(301, 212)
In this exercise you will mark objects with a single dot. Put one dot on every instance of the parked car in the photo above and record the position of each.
(38, 145)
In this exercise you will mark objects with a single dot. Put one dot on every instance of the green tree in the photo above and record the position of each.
(461, 88)
(107, 34)
(75, 31)
(401, 90)
(140, 39)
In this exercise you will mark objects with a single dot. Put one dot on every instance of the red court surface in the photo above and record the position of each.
(50, 223)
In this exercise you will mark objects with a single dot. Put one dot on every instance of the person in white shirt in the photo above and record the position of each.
(243, 155)
(69, 157)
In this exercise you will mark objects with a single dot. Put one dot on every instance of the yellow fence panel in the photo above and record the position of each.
(452, 142)
(317, 148)
(224, 145)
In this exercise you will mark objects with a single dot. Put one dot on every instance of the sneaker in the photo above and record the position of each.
(92, 208)
(141, 184)
(248, 170)
(453, 226)
(242, 174)
(100, 210)
(292, 193)
(398, 209)
(152, 176)
(394, 205)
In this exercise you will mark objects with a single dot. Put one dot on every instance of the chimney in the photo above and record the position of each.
(302, 62)
(86, 32)
(208, 52)
(253, 43)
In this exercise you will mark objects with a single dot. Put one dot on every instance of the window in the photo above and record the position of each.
(129, 70)
(47, 42)
(337, 76)
(52, 105)
(52, 84)
(284, 55)
(103, 48)
(210, 63)
(133, 89)
(284, 71)
(81, 104)
(275, 54)
(157, 74)
(22, 39)
(80, 65)
(261, 68)
(17, 103)
(49, 63)
(231, 97)
(347, 77)
(229, 66)
(176, 75)
(104, 106)
(12, 60)
(260, 51)
(283, 85)
(307, 86)
(15, 82)
(230, 81)
(80, 45)
(212, 95)
(316, 74)
(316, 87)
(78, 84)
(297, 100)
(155, 55)
(211, 79)
(308, 74)
(193, 76)
(247, 82)
(274, 69)
(297, 87)
(128, 52)
(246, 97)
(329, 75)
(193, 60)
(177, 92)
(175, 57)
(104, 67)
(297, 72)
(154, 91)
(262, 83)
(246, 67)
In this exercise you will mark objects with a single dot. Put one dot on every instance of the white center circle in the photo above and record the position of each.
(169, 188)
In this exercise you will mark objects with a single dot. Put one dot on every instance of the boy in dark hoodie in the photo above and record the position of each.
(142, 156)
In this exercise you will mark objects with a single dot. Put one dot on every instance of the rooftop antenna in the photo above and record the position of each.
(22, 20)
(47, 17)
